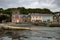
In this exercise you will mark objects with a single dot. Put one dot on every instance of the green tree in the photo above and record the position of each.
(47, 11)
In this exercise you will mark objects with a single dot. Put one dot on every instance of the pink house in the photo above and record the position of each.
(17, 18)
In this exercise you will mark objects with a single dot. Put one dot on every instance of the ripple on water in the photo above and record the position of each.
(34, 35)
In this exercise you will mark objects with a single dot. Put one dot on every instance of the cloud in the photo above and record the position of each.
(53, 5)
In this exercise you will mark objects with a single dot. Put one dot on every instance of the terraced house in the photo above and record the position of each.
(57, 17)
(20, 18)
(41, 17)
(33, 17)
(17, 17)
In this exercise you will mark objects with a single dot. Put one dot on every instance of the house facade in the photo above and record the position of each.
(20, 18)
(35, 18)
(17, 18)
(47, 18)
(41, 17)
(31, 17)
(57, 17)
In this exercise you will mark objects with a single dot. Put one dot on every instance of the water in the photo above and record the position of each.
(29, 35)
(46, 33)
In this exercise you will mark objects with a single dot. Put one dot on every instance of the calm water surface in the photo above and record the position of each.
(47, 33)
(29, 35)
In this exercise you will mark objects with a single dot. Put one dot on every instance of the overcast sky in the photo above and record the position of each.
(53, 5)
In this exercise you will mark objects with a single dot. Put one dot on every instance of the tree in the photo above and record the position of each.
(22, 10)
(47, 11)
(1, 10)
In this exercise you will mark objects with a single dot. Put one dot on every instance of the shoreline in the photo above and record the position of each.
(12, 27)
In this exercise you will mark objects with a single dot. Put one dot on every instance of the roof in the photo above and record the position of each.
(41, 14)
(20, 15)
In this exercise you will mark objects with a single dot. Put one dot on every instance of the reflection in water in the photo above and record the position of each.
(28, 35)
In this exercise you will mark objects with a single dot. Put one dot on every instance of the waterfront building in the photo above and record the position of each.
(20, 18)
(17, 17)
(41, 17)
(57, 17)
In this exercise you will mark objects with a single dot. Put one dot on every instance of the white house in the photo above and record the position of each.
(41, 17)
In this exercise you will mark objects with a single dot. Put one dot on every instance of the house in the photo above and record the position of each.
(41, 17)
(36, 17)
(57, 17)
(17, 18)
(20, 18)
(47, 17)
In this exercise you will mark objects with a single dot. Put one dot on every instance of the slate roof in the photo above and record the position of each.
(41, 14)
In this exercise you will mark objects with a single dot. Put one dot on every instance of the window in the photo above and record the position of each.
(13, 16)
(59, 17)
(33, 17)
(48, 20)
(33, 20)
(17, 16)
(36, 17)
(55, 17)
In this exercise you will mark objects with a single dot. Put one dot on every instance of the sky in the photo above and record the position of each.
(53, 5)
